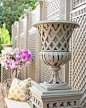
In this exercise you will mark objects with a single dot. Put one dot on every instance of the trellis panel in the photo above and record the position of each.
(22, 42)
(6, 74)
(31, 70)
(77, 3)
(32, 18)
(15, 43)
(51, 12)
(15, 29)
(22, 25)
(78, 50)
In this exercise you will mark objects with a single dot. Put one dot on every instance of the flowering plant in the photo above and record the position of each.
(15, 58)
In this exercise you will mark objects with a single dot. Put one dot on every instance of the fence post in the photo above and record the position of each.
(13, 35)
(18, 34)
(2, 79)
(26, 37)
(39, 17)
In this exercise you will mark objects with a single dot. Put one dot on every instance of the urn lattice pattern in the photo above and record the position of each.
(55, 37)
(55, 58)
(52, 36)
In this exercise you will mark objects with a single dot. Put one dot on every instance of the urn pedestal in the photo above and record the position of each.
(55, 37)
(41, 98)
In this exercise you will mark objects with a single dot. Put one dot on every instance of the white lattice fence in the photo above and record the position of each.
(51, 10)
(32, 18)
(15, 43)
(77, 3)
(22, 42)
(32, 48)
(78, 50)
(31, 69)
(6, 74)
(15, 30)
(22, 25)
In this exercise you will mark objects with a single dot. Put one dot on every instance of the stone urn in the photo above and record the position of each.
(6, 46)
(55, 36)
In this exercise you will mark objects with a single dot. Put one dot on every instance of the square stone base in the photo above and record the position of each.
(42, 98)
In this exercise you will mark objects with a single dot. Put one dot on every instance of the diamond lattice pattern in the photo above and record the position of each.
(51, 10)
(32, 48)
(53, 38)
(6, 74)
(77, 3)
(78, 62)
(19, 89)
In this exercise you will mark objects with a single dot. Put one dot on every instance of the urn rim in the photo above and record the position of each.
(56, 21)
(6, 44)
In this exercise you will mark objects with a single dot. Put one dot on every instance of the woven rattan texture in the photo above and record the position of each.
(78, 51)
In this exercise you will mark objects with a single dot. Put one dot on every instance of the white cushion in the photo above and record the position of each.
(16, 104)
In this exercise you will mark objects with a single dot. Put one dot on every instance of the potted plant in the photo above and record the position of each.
(15, 58)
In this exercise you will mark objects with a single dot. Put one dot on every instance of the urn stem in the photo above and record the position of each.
(55, 75)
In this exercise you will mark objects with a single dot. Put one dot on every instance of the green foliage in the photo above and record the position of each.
(11, 10)
(4, 36)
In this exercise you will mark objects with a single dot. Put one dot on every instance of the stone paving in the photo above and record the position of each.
(1, 99)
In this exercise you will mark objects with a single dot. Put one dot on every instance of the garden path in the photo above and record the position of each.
(1, 99)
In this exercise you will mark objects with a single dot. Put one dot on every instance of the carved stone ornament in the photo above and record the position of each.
(55, 37)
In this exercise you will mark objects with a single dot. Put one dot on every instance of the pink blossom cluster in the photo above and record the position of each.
(15, 58)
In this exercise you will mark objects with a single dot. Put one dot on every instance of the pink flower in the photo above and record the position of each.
(13, 65)
(3, 52)
(28, 56)
(17, 49)
(23, 56)
(16, 58)
(23, 60)
(26, 51)
(12, 52)
(20, 52)
(8, 61)
(3, 64)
